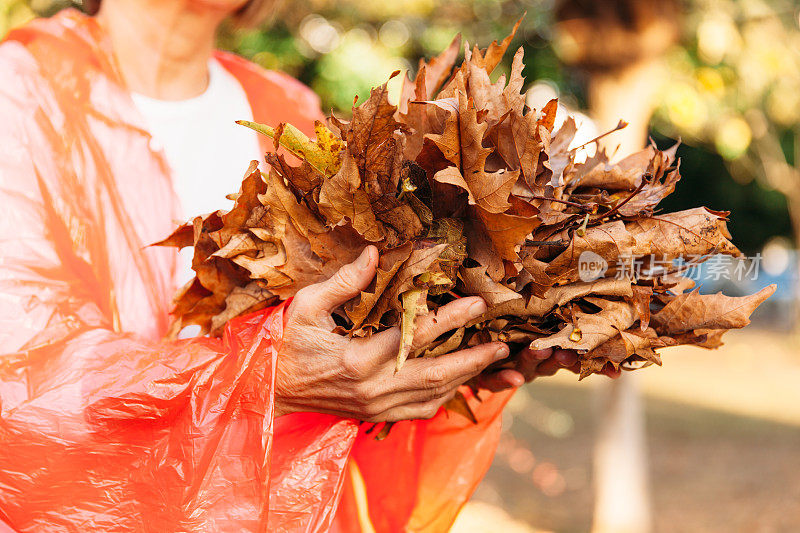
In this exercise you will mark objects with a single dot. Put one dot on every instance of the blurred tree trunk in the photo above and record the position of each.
(622, 493)
(620, 45)
(784, 178)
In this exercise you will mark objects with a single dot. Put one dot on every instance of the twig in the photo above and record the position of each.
(617, 207)
(566, 202)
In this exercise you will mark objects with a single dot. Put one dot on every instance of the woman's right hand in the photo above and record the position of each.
(321, 371)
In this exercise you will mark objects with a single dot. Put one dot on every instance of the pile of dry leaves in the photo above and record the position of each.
(465, 191)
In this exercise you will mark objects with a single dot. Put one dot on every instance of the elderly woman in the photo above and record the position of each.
(114, 127)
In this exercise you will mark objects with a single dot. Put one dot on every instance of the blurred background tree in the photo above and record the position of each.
(735, 88)
(733, 91)
(728, 85)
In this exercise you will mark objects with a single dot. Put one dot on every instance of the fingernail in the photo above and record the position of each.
(477, 308)
(502, 352)
(364, 259)
(517, 380)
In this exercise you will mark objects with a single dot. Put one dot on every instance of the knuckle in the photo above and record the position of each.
(371, 409)
(354, 366)
(365, 394)
(435, 378)
(304, 294)
(372, 418)
(429, 411)
(434, 393)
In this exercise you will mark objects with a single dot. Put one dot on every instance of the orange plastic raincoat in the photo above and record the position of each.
(106, 427)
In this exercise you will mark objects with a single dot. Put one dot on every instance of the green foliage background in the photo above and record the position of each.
(342, 48)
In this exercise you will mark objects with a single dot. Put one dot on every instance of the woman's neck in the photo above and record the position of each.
(162, 47)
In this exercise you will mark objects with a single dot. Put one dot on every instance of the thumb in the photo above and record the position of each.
(346, 284)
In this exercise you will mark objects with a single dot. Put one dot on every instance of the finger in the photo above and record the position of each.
(540, 355)
(429, 327)
(565, 358)
(416, 411)
(529, 360)
(559, 359)
(448, 317)
(344, 285)
(435, 376)
(501, 380)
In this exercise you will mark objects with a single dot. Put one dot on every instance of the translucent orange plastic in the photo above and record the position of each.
(106, 427)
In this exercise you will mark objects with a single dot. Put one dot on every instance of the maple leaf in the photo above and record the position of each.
(506, 231)
(590, 330)
(694, 232)
(692, 310)
(342, 197)
(388, 265)
(371, 141)
(465, 191)
(477, 283)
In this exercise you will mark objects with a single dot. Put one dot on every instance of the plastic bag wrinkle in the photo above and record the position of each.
(103, 425)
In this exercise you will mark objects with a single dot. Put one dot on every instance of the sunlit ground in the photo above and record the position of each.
(724, 442)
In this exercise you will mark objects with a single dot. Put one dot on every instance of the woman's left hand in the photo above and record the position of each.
(531, 364)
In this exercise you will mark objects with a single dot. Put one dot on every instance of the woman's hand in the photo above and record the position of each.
(324, 372)
(531, 364)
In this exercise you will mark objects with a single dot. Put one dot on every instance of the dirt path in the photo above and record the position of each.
(724, 441)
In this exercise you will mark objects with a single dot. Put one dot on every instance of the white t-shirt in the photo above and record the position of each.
(207, 152)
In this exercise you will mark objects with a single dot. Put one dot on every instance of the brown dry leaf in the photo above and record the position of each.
(452, 343)
(492, 56)
(180, 238)
(284, 207)
(420, 260)
(641, 302)
(488, 190)
(388, 265)
(247, 199)
(448, 139)
(478, 283)
(610, 241)
(625, 175)
(466, 191)
(303, 178)
(595, 328)
(557, 297)
(689, 233)
(431, 75)
(372, 143)
(634, 342)
(414, 305)
(692, 311)
(242, 300)
(342, 197)
(506, 231)
(239, 243)
(459, 405)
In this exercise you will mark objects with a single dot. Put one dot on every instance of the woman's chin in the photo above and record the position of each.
(229, 6)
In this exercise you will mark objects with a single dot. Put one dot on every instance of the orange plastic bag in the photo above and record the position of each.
(104, 426)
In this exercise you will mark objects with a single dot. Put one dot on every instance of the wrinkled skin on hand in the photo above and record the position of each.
(322, 371)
